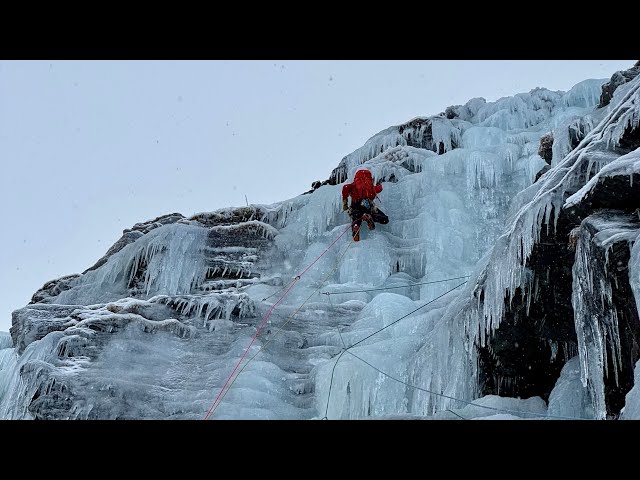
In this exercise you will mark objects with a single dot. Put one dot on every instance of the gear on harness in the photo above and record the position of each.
(362, 192)
(367, 218)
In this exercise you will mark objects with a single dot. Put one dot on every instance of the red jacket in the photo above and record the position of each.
(362, 187)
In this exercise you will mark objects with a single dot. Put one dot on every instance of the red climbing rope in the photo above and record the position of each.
(269, 314)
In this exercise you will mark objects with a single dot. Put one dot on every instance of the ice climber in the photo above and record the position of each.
(362, 192)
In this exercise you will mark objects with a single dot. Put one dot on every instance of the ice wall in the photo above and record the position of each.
(156, 330)
(595, 315)
(472, 320)
(167, 260)
(444, 218)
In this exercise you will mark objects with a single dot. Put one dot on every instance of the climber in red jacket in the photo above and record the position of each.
(362, 192)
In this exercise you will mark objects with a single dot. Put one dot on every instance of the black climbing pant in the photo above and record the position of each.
(371, 215)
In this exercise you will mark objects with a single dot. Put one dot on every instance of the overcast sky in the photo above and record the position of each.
(88, 148)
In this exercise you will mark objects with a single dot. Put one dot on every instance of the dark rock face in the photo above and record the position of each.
(617, 192)
(537, 335)
(317, 184)
(419, 134)
(617, 79)
(630, 139)
(451, 112)
(613, 266)
(545, 149)
(224, 263)
(146, 227)
(237, 238)
(463, 112)
(52, 289)
(338, 174)
(229, 216)
(32, 323)
(611, 192)
(577, 131)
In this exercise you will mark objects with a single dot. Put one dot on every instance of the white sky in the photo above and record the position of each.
(88, 148)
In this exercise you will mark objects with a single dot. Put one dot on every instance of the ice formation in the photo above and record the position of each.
(156, 328)
(505, 273)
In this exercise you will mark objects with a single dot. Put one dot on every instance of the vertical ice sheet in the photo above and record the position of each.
(8, 361)
(634, 271)
(169, 260)
(357, 389)
(540, 204)
(569, 397)
(472, 320)
(596, 319)
(631, 410)
(5, 340)
(585, 94)
(632, 404)
(591, 337)
(17, 387)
